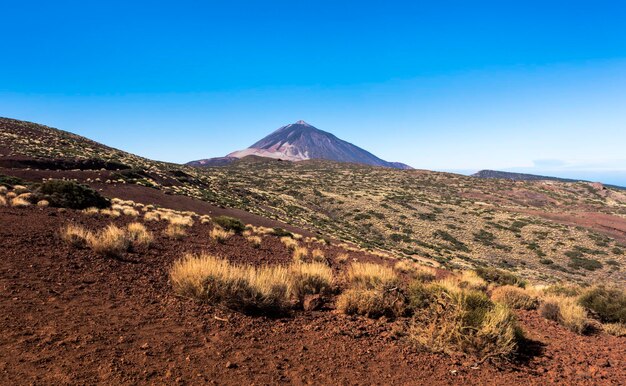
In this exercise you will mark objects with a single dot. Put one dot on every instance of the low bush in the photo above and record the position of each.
(451, 319)
(609, 304)
(499, 277)
(69, 194)
(514, 297)
(230, 223)
(471, 280)
(566, 311)
(280, 232)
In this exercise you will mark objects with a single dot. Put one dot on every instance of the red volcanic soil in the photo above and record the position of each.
(71, 317)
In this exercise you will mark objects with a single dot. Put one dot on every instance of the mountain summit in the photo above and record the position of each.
(301, 141)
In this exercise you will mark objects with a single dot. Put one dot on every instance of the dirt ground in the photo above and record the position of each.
(71, 317)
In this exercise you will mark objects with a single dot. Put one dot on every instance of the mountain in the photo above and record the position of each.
(300, 141)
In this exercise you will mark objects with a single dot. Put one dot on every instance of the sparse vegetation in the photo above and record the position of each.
(221, 235)
(110, 241)
(500, 277)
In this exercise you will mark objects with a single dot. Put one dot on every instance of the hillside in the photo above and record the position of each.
(311, 272)
(544, 230)
(300, 141)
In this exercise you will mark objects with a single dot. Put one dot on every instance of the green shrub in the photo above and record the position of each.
(500, 277)
(280, 232)
(10, 181)
(230, 223)
(69, 194)
(608, 303)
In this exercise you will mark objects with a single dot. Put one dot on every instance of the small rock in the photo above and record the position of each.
(230, 365)
(144, 346)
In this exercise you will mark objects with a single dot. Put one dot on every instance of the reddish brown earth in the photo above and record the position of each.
(69, 316)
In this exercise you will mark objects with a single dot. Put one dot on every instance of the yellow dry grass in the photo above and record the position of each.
(254, 240)
(566, 311)
(74, 235)
(220, 235)
(615, 329)
(43, 203)
(369, 275)
(289, 242)
(139, 234)
(19, 202)
(110, 241)
(175, 231)
(318, 256)
(243, 288)
(300, 253)
(3, 201)
(514, 297)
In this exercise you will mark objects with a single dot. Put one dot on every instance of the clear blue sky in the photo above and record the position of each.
(539, 86)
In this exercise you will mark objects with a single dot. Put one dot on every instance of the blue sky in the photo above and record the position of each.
(539, 86)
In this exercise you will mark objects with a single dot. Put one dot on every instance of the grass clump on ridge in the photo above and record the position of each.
(499, 277)
(514, 297)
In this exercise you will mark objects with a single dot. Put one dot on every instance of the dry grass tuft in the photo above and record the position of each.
(220, 235)
(254, 240)
(11, 195)
(342, 258)
(43, 203)
(91, 211)
(130, 212)
(566, 311)
(452, 319)
(369, 275)
(19, 202)
(110, 241)
(175, 231)
(300, 253)
(419, 272)
(289, 242)
(3, 201)
(471, 280)
(139, 235)
(3, 190)
(110, 213)
(74, 235)
(151, 216)
(615, 329)
(514, 297)
(243, 288)
(318, 256)
(310, 278)
(373, 292)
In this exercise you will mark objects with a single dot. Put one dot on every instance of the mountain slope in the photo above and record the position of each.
(300, 141)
